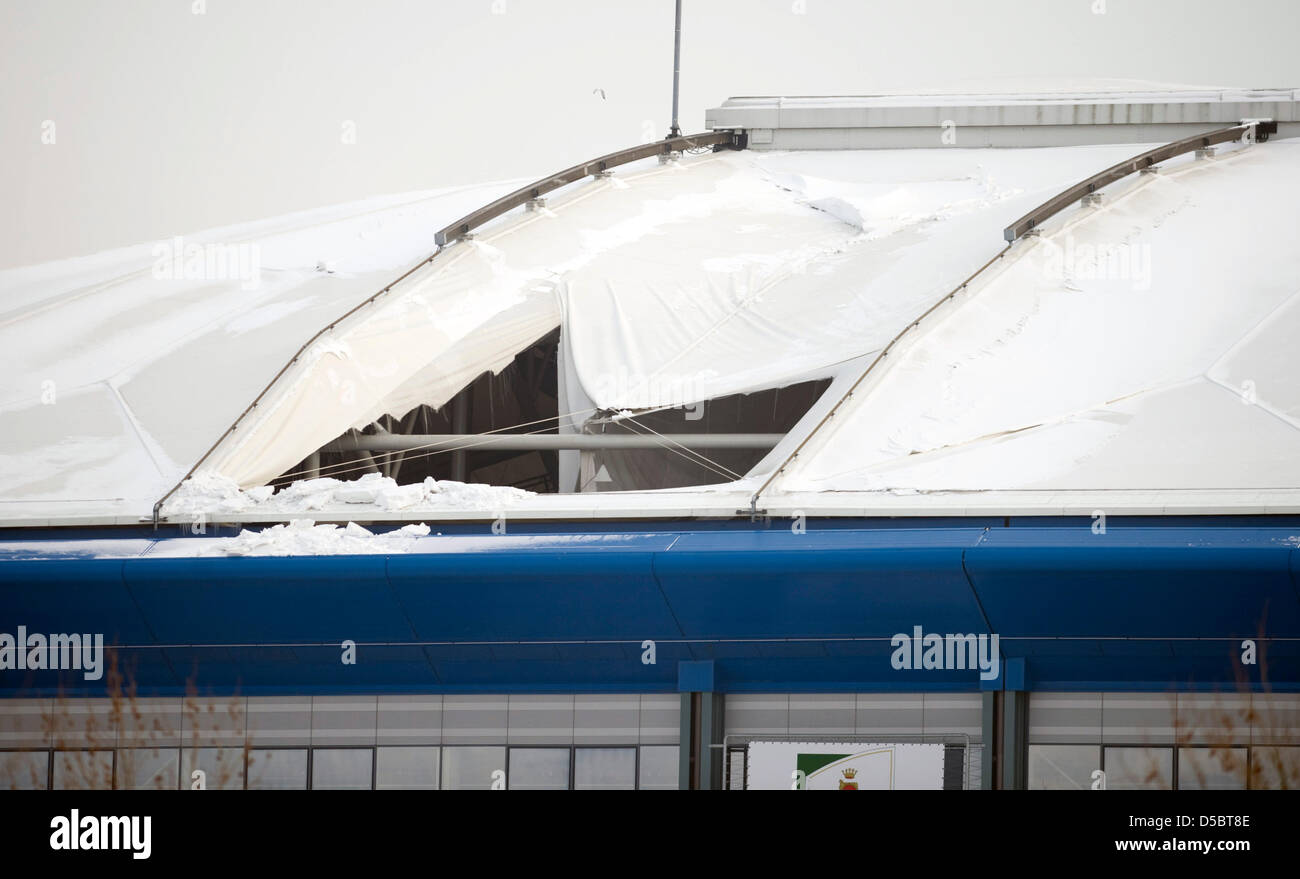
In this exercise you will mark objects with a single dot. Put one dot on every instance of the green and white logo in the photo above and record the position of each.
(843, 766)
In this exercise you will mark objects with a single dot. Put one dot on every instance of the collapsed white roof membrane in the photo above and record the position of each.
(722, 274)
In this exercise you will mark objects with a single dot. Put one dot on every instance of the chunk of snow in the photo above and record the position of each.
(470, 496)
(305, 537)
(365, 490)
(841, 209)
(400, 497)
(211, 493)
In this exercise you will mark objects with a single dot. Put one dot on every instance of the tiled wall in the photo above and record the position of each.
(326, 721)
(854, 714)
(1162, 719)
(352, 742)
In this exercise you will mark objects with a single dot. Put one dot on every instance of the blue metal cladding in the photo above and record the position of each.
(1154, 608)
(778, 584)
(71, 595)
(1190, 584)
(545, 590)
(309, 600)
(1152, 604)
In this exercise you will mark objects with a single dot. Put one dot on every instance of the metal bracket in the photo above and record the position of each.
(1260, 129)
(534, 204)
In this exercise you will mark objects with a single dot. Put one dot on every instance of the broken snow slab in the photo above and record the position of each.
(305, 537)
(209, 494)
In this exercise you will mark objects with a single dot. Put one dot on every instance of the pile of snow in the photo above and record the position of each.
(305, 537)
(210, 493)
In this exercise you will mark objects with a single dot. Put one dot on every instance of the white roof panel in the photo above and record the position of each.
(1045, 388)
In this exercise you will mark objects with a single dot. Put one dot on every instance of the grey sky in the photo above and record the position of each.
(168, 122)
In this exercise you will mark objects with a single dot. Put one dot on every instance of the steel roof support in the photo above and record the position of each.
(388, 442)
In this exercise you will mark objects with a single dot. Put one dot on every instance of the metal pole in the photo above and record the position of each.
(677, 68)
(412, 443)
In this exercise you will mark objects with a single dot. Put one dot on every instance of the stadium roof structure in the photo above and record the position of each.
(1134, 354)
(1035, 393)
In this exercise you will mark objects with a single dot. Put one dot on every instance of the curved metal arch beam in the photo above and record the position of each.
(538, 188)
(1260, 129)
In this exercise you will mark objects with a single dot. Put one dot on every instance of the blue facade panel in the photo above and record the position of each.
(267, 600)
(538, 593)
(833, 584)
(1153, 604)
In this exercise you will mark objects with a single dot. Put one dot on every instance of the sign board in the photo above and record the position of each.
(843, 766)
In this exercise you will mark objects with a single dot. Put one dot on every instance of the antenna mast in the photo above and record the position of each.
(675, 131)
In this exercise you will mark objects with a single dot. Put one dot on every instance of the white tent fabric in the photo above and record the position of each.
(677, 284)
(1148, 343)
(120, 372)
(761, 289)
(725, 274)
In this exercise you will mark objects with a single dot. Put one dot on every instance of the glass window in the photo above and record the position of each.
(223, 768)
(341, 768)
(658, 767)
(147, 768)
(1139, 768)
(472, 768)
(1273, 768)
(83, 770)
(604, 769)
(24, 770)
(277, 769)
(407, 769)
(1211, 768)
(539, 769)
(1063, 767)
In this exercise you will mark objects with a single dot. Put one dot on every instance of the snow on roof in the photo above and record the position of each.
(124, 367)
(1148, 343)
(1044, 389)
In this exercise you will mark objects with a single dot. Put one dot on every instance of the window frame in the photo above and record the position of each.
(636, 762)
